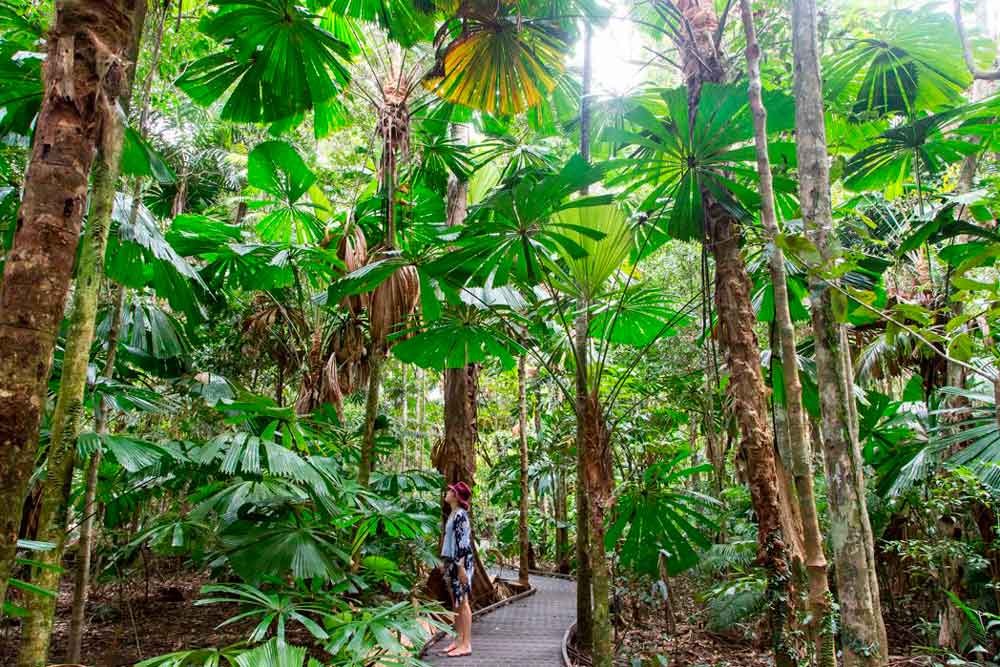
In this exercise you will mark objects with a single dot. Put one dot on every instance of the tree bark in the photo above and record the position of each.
(862, 628)
(69, 408)
(88, 526)
(455, 455)
(367, 460)
(703, 63)
(37, 629)
(795, 415)
(522, 422)
(584, 592)
(85, 73)
(598, 478)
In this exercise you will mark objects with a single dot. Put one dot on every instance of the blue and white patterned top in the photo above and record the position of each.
(457, 536)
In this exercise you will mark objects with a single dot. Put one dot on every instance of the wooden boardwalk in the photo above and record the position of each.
(526, 633)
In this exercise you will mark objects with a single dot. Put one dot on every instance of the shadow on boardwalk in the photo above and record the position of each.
(526, 633)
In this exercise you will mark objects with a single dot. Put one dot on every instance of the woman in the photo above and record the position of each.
(456, 554)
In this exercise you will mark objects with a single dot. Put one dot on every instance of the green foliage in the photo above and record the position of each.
(674, 162)
(912, 63)
(276, 61)
(657, 516)
(268, 608)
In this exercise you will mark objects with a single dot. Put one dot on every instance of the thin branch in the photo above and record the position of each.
(721, 28)
(919, 336)
(970, 62)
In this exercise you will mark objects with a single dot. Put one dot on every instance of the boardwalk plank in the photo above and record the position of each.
(526, 633)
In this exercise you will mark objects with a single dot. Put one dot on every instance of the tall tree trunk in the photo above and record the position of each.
(862, 628)
(69, 408)
(367, 461)
(455, 455)
(522, 422)
(703, 63)
(598, 477)
(88, 526)
(795, 415)
(37, 629)
(584, 592)
(85, 73)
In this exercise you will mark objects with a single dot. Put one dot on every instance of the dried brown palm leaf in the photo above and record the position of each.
(273, 329)
(353, 248)
(392, 306)
(330, 389)
(309, 389)
(349, 341)
(354, 377)
(353, 251)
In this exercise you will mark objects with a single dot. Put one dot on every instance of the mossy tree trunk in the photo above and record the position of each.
(65, 426)
(85, 73)
(863, 637)
(794, 412)
(703, 63)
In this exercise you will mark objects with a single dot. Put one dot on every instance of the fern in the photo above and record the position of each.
(736, 602)
(731, 556)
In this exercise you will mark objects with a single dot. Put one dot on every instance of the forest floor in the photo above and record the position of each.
(149, 618)
(642, 634)
(132, 623)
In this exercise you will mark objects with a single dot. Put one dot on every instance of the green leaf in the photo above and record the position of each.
(603, 236)
(661, 516)
(498, 64)
(277, 168)
(276, 61)
(960, 347)
(142, 160)
(912, 62)
(638, 318)
(456, 340)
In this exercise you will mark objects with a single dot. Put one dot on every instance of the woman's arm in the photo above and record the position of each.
(463, 536)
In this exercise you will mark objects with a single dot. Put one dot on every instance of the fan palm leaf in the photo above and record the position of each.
(276, 63)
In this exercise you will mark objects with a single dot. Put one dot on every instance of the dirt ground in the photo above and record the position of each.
(127, 626)
(133, 623)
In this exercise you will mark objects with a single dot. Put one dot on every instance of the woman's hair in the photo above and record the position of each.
(462, 492)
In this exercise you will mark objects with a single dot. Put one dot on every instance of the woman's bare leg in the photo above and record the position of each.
(465, 627)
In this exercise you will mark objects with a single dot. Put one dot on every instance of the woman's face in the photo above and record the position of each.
(449, 497)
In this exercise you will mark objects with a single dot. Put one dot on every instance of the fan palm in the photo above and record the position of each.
(276, 60)
(499, 62)
(679, 162)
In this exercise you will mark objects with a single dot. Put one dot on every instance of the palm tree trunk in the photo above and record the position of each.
(88, 526)
(796, 418)
(584, 587)
(862, 628)
(77, 109)
(69, 404)
(522, 422)
(455, 456)
(598, 477)
(703, 63)
(367, 460)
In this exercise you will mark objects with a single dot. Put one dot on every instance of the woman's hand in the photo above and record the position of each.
(463, 578)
